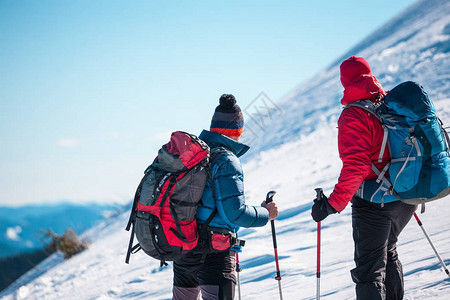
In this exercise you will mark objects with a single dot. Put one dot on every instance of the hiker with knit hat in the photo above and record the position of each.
(377, 221)
(210, 268)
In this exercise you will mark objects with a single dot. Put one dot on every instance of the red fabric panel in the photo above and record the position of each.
(220, 242)
(190, 153)
(154, 210)
(228, 132)
(189, 230)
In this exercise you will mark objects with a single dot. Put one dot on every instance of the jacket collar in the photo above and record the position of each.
(215, 140)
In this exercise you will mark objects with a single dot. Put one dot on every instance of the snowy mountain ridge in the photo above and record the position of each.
(298, 154)
(414, 46)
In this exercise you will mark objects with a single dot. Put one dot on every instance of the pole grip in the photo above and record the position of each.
(319, 193)
(269, 197)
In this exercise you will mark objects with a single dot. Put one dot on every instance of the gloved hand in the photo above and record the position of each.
(321, 209)
(236, 248)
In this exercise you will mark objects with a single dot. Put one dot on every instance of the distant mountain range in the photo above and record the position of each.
(20, 227)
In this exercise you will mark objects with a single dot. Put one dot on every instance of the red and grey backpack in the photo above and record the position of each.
(167, 198)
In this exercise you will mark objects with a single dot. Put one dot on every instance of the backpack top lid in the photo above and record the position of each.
(407, 104)
(181, 153)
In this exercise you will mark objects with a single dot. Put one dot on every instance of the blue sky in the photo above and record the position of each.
(90, 89)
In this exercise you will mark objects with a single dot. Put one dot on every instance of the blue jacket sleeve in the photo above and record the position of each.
(229, 186)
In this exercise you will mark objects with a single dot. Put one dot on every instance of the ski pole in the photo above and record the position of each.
(269, 199)
(319, 192)
(431, 243)
(238, 270)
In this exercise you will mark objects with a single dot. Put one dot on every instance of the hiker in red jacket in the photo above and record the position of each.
(377, 220)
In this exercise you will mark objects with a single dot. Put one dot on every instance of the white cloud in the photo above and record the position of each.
(12, 233)
(68, 142)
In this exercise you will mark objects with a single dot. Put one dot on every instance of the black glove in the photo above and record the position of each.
(321, 209)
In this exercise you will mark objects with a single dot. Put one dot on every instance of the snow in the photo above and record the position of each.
(100, 272)
(13, 233)
(297, 154)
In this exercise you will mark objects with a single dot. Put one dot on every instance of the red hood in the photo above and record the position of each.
(358, 81)
(363, 87)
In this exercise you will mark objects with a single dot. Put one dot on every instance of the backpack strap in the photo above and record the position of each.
(204, 226)
(135, 201)
(384, 143)
(371, 107)
(383, 181)
(447, 138)
(381, 176)
(214, 153)
(130, 245)
(203, 232)
(211, 216)
(173, 180)
(178, 233)
(367, 105)
(407, 159)
(132, 219)
(160, 251)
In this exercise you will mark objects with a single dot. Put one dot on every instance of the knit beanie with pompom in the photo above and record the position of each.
(228, 119)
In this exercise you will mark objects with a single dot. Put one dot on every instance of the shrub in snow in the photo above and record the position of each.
(67, 243)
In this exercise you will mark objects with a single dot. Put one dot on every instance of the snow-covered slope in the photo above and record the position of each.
(298, 156)
(415, 46)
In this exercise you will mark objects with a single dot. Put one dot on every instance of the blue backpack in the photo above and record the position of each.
(419, 169)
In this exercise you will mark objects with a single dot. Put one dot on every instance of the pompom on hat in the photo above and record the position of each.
(227, 119)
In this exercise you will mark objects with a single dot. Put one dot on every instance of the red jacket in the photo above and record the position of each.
(359, 140)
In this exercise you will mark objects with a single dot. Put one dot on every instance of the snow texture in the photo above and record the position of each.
(298, 154)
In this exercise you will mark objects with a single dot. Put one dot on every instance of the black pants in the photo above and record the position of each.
(213, 275)
(378, 273)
